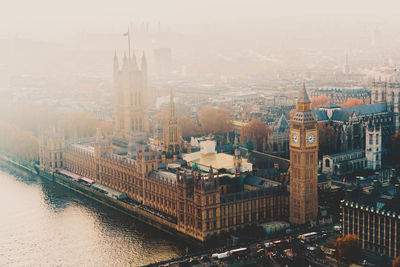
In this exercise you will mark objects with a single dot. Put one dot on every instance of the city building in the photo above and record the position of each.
(339, 95)
(374, 217)
(202, 196)
(303, 162)
(344, 163)
(278, 138)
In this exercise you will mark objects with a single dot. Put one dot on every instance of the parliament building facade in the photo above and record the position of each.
(200, 203)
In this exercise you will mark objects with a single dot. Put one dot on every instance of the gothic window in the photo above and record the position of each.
(377, 139)
(370, 139)
(327, 163)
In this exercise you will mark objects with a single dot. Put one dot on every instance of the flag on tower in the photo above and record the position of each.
(126, 33)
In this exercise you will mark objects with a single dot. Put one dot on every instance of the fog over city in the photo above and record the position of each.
(39, 36)
(199, 133)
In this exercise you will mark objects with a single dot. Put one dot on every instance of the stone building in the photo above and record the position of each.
(200, 203)
(351, 124)
(51, 147)
(303, 162)
(339, 95)
(374, 218)
(278, 138)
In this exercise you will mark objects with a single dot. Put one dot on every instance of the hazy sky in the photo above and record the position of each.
(36, 17)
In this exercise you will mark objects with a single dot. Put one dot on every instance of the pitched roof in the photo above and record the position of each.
(320, 114)
(345, 113)
(282, 124)
(368, 109)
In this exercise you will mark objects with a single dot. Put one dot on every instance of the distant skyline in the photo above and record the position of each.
(48, 19)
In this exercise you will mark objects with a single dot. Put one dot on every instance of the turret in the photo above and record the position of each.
(172, 113)
(125, 62)
(144, 66)
(133, 58)
(116, 64)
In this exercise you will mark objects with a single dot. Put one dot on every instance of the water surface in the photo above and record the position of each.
(45, 224)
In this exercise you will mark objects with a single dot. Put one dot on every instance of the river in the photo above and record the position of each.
(45, 224)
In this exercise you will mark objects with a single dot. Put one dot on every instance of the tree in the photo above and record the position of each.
(255, 131)
(319, 101)
(214, 120)
(349, 249)
(18, 142)
(352, 102)
(189, 126)
(328, 139)
(396, 262)
(84, 123)
(31, 118)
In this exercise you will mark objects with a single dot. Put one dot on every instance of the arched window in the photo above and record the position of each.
(327, 163)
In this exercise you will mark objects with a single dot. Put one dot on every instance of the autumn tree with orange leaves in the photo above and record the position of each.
(352, 102)
(349, 249)
(396, 262)
(213, 119)
(255, 131)
(189, 126)
(318, 101)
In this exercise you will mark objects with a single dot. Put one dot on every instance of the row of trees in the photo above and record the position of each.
(256, 132)
(16, 141)
(20, 128)
(210, 120)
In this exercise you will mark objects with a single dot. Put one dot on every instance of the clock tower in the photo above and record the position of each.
(303, 162)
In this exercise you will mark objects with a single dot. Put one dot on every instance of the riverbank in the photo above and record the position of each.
(134, 211)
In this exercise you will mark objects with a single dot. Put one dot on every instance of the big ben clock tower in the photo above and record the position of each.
(303, 162)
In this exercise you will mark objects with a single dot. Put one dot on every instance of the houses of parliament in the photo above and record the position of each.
(142, 161)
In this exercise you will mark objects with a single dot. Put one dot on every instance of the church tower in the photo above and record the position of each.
(303, 162)
(172, 134)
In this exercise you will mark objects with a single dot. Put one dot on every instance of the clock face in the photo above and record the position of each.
(310, 138)
(295, 138)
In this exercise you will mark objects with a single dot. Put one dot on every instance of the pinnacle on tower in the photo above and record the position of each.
(133, 59)
(171, 106)
(144, 62)
(125, 61)
(115, 58)
(303, 96)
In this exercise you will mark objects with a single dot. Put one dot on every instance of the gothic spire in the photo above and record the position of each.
(303, 96)
(144, 63)
(133, 59)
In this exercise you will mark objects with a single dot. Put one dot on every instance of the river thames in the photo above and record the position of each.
(45, 224)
